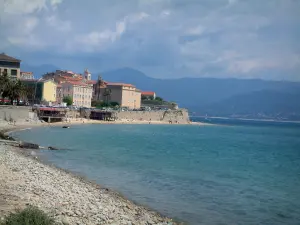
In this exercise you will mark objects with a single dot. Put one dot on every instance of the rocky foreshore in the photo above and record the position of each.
(68, 198)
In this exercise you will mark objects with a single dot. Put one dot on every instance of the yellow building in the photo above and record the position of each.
(126, 95)
(49, 91)
(43, 91)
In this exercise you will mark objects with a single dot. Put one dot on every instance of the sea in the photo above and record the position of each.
(228, 173)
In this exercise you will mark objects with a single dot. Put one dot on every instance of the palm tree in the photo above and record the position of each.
(14, 90)
(107, 94)
(100, 83)
(4, 84)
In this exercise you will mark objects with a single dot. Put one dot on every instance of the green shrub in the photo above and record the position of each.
(29, 216)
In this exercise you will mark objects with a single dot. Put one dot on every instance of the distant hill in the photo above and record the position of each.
(263, 104)
(199, 93)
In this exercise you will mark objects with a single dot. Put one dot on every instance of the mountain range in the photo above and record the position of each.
(251, 98)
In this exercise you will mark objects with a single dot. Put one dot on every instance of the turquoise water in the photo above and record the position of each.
(199, 174)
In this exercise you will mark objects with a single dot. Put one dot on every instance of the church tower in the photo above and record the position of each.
(87, 75)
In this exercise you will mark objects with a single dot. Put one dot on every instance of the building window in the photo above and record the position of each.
(14, 72)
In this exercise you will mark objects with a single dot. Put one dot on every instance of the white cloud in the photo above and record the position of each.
(21, 6)
(232, 37)
(198, 30)
(58, 24)
(55, 2)
(96, 40)
(21, 22)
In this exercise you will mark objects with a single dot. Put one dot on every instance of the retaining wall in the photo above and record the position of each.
(17, 113)
(181, 115)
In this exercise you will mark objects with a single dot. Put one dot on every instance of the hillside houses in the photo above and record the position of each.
(54, 86)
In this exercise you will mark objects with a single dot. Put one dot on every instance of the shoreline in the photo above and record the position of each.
(6, 130)
(26, 161)
(254, 120)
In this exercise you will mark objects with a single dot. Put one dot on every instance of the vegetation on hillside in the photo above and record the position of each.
(148, 100)
(29, 216)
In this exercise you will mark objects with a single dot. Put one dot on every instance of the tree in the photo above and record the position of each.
(100, 84)
(159, 99)
(4, 82)
(68, 100)
(107, 94)
(114, 104)
(12, 89)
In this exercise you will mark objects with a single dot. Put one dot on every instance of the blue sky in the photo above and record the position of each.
(163, 38)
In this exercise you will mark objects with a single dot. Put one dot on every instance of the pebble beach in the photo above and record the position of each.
(70, 199)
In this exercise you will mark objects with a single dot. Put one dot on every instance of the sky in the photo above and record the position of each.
(163, 38)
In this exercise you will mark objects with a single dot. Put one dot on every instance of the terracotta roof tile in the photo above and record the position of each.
(119, 84)
(91, 82)
(79, 83)
(148, 93)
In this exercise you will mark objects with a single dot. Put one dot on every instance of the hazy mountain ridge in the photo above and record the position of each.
(212, 96)
(265, 104)
(220, 97)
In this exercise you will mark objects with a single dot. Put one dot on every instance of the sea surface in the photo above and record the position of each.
(212, 175)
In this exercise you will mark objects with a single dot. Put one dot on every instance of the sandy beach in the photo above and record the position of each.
(70, 199)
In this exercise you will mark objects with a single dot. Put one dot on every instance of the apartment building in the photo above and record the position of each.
(79, 91)
(42, 91)
(126, 95)
(10, 65)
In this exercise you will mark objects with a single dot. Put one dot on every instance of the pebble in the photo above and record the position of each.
(69, 199)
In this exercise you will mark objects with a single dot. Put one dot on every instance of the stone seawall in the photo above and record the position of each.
(180, 116)
(16, 113)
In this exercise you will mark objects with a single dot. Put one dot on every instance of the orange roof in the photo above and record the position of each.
(72, 78)
(91, 81)
(148, 93)
(79, 83)
(119, 84)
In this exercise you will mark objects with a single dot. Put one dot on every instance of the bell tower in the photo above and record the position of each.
(87, 75)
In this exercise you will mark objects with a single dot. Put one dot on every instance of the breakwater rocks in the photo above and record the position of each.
(70, 199)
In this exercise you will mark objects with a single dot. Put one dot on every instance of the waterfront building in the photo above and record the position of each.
(126, 95)
(41, 91)
(150, 95)
(79, 91)
(74, 85)
(10, 65)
